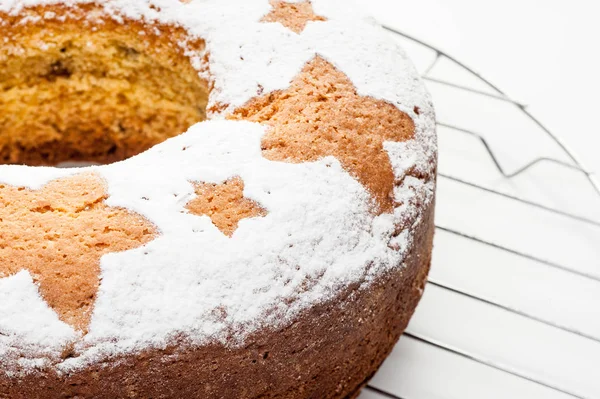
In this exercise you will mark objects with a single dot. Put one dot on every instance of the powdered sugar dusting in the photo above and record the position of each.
(28, 325)
(192, 279)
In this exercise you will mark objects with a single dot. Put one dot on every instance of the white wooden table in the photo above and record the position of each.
(512, 308)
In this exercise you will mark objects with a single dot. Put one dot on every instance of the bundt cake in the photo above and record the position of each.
(255, 219)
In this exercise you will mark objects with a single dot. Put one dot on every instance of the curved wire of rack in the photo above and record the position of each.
(576, 166)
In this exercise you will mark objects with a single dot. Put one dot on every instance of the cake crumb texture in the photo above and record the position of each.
(72, 93)
(293, 16)
(321, 114)
(224, 204)
(59, 234)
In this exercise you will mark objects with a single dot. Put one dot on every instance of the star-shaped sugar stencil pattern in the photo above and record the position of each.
(65, 227)
(224, 203)
(293, 16)
(321, 114)
(59, 233)
(323, 103)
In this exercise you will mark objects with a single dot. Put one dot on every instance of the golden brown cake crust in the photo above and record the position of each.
(293, 16)
(329, 352)
(321, 114)
(331, 349)
(62, 231)
(224, 204)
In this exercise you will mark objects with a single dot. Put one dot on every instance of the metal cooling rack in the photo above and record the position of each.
(502, 341)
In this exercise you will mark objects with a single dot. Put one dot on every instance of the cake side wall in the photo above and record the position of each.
(329, 352)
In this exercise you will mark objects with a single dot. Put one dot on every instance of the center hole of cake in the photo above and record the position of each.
(75, 97)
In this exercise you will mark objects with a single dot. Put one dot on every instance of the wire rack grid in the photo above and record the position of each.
(512, 306)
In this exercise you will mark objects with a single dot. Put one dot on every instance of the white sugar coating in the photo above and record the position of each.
(192, 280)
(28, 325)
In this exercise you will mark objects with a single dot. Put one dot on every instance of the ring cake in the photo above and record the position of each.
(257, 218)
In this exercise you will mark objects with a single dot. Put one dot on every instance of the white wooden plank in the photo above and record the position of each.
(519, 226)
(531, 287)
(509, 341)
(416, 370)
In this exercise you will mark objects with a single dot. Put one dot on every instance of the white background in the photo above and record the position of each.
(544, 53)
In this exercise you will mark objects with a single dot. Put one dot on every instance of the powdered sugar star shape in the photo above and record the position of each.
(63, 230)
(225, 204)
(293, 16)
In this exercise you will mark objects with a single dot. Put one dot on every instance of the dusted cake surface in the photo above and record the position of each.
(304, 185)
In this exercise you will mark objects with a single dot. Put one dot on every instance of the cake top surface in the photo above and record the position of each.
(299, 231)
